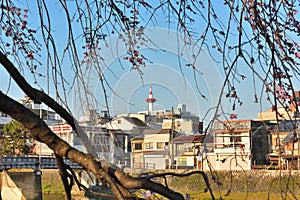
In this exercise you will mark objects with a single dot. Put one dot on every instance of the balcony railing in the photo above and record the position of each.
(139, 165)
(230, 147)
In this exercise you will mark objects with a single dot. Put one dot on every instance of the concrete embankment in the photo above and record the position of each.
(20, 185)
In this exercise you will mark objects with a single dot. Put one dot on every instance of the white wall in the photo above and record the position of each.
(123, 125)
(158, 160)
(230, 162)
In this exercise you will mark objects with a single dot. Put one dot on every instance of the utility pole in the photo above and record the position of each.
(172, 139)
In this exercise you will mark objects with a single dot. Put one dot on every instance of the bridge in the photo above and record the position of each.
(32, 162)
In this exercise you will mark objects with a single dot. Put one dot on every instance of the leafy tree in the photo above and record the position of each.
(15, 139)
(261, 36)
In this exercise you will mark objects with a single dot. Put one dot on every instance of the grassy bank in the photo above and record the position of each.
(52, 184)
(241, 185)
(251, 185)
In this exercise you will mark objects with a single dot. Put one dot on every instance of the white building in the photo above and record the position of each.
(126, 124)
(65, 132)
(238, 145)
(4, 119)
(47, 115)
(151, 150)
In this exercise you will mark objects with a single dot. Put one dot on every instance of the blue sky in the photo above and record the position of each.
(172, 81)
(172, 84)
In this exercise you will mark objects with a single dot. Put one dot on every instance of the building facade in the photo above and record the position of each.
(151, 150)
(285, 152)
(187, 151)
(239, 145)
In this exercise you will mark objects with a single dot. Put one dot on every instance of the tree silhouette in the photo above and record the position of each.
(261, 36)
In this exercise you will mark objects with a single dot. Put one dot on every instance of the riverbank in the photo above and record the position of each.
(52, 184)
(255, 184)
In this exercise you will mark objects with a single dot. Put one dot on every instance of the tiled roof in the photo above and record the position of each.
(291, 137)
(158, 152)
(288, 125)
(135, 121)
(160, 131)
(137, 138)
(189, 138)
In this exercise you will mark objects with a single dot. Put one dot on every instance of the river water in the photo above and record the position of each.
(104, 190)
(62, 197)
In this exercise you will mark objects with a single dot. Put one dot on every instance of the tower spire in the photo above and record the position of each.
(150, 101)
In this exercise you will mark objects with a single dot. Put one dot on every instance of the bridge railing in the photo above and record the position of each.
(32, 162)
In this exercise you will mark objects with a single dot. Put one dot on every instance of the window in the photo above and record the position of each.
(119, 121)
(76, 140)
(236, 140)
(188, 148)
(101, 142)
(181, 161)
(138, 146)
(149, 145)
(160, 145)
(179, 149)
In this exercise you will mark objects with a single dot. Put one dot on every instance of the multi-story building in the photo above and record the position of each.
(187, 151)
(178, 119)
(123, 129)
(47, 115)
(185, 122)
(156, 149)
(101, 141)
(240, 144)
(285, 134)
(280, 113)
(286, 145)
(99, 138)
(151, 149)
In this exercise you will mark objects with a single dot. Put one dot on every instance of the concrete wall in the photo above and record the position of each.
(157, 161)
(8, 189)
(227, 162)
(29, 183)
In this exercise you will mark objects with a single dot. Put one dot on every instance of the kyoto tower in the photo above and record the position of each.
(150, 101)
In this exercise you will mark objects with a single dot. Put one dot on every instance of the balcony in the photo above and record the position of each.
(229, 148)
